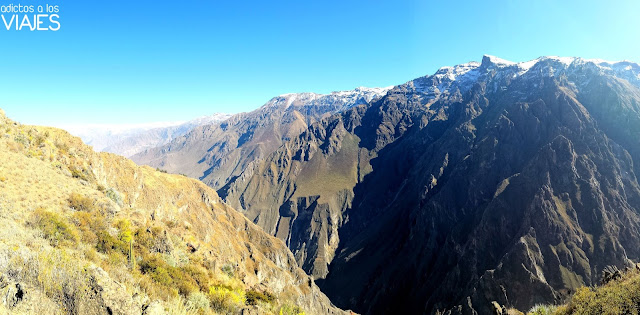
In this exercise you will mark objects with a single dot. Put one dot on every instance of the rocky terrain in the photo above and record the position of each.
(218, 153)
(491, 181)
(93, 233)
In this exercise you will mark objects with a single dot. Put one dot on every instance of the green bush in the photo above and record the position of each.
(226, 300)
(165, 275)
(107, 243)
(291, 310)
(54, 227)
(228, 270)
(253, 297)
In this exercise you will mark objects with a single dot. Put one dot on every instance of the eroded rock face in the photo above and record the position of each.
(216, 154)
(485, 182)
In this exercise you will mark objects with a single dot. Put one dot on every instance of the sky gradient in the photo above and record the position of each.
(145, 61)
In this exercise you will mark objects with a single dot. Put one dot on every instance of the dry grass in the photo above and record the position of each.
(64, 208)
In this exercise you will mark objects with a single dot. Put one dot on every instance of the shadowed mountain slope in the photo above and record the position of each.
(217, 153)
(513, 182)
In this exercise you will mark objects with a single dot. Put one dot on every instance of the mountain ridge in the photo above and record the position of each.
(128, 140)
(396, 140)
(215, 154)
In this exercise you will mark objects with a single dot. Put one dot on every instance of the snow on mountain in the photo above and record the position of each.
(345, 99)
(462, 77)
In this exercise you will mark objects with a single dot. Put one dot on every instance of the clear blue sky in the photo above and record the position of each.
(141, 61)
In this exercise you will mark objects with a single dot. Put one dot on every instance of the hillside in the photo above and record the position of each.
(87, 233)
(618, 293)
(487, 181)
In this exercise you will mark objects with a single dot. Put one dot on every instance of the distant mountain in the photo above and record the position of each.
(127, 140)
(93, 233)
(487, 181)
(218, 153)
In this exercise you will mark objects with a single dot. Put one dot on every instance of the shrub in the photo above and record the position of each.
(115, 196)
(39, 140)
(199, 276)
(178, 306)
(291, 310)
(79, 202)
(228, 270)
(90, 224)
(198, 301)
(106, 243)
(54, 227)
(226, 300)
(542, 310)
(78, 173)
(63, 147)
(166, 275)
(253, 297)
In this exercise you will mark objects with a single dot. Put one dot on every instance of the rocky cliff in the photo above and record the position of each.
(491, 181)
(216, 154)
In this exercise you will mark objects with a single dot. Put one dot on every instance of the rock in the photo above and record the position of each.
(14, 295)
(610, 273)
(497, 309)
(155, 308)
(111, 296)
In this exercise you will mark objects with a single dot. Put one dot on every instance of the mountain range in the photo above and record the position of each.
(127, 140)
(216, 153)
(486, 181)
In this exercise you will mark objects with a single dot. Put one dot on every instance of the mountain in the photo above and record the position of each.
(217, 153)
(93, 233)
(487, 181)
(127, 140)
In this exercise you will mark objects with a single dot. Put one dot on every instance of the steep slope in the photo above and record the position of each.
(492, 181)
(216, 154)
(129, 140)
(93, 233)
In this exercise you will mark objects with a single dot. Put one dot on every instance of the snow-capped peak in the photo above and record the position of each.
(344, 99)
(493, 60)
(462, 77)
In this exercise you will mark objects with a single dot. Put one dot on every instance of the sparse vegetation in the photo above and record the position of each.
(226, 300)
(79, 202)
(542, 310)
(54, 227)
(254, 297)
(620, 295)
(74, 244)
(114, 195)
(290, 310)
